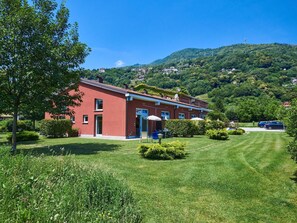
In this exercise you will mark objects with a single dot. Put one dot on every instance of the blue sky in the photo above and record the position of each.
(126, 32)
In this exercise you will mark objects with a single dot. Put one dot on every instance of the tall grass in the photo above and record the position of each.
(38, 189)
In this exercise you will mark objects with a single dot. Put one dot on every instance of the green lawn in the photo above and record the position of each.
(244, 179)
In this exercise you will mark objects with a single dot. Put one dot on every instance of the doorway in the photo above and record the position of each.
(98, 125)
(141, 122)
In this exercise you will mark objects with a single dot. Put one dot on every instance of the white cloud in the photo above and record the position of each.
(119, 63)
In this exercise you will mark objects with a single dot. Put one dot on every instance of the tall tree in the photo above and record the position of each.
(40, 55)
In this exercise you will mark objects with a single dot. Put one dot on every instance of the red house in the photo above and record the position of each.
(121, 113)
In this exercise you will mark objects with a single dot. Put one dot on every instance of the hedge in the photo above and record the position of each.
(24, 136)
(181, 127)
(200, 127)
(22, 125)
(53, 128)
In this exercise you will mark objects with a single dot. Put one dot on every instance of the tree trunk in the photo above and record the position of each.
(33, 123)
(14, 131)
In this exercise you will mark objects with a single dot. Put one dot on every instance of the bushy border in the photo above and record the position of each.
(164, 151)
(181, 127)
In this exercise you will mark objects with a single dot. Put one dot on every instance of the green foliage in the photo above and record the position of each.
(24, 136)
(217, 115)
(157, 91)
(181, 127)
(73, 132)
(200, 127)
(165, 151)
(292, 149)
(236, 132)
(47, 56)
(217, 134)
(22, 125)
(214, 124)
(42, 190)
(55, 128)
(291, 120)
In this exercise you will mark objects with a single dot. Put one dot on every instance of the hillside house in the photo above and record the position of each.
(122, 113)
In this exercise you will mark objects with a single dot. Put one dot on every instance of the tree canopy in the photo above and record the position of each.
(40, 57)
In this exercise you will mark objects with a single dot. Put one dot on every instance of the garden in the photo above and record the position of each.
(248, 178)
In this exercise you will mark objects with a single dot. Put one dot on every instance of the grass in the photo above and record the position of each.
(244, 179)
(43, 189)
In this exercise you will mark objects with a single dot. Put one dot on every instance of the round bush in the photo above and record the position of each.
(236, 132)
(165, 151)
(217, 134)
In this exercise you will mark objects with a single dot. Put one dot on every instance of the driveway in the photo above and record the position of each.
(262, 130)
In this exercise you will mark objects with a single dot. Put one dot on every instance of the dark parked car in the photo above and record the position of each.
(274, 125)
(261, 124)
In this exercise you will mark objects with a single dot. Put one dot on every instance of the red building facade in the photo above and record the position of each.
(115, 112)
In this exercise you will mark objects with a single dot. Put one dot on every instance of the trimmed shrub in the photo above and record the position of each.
(74, 132)
(236, 132)
(22, 125)
(24, 136)
(200, 127)
(53, 128)
(292, 149)
(43, 191)
(165, 151)
(181, 127)
(217, 134)
(214, 124)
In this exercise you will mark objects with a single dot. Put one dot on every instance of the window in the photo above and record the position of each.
(85, 119)
(193, 116)
(181, 116)
(98, 104)
(165, 115)
(72, 118)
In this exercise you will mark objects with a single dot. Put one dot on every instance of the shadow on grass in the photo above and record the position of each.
(68, 149)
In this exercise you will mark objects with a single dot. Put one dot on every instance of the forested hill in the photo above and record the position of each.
(186, 54)
(231, 73)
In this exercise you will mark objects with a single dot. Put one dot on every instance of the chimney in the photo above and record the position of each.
(100, 79)
(126, 86)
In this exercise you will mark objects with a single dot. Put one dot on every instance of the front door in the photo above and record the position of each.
(141, 121)
(98, 125)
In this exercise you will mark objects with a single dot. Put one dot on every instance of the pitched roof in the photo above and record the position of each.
(128, 92)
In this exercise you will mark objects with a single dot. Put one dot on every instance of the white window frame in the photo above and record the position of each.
(85, 119)
(72, 118)
(181, 114)
(96, 104)
(166, 115)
